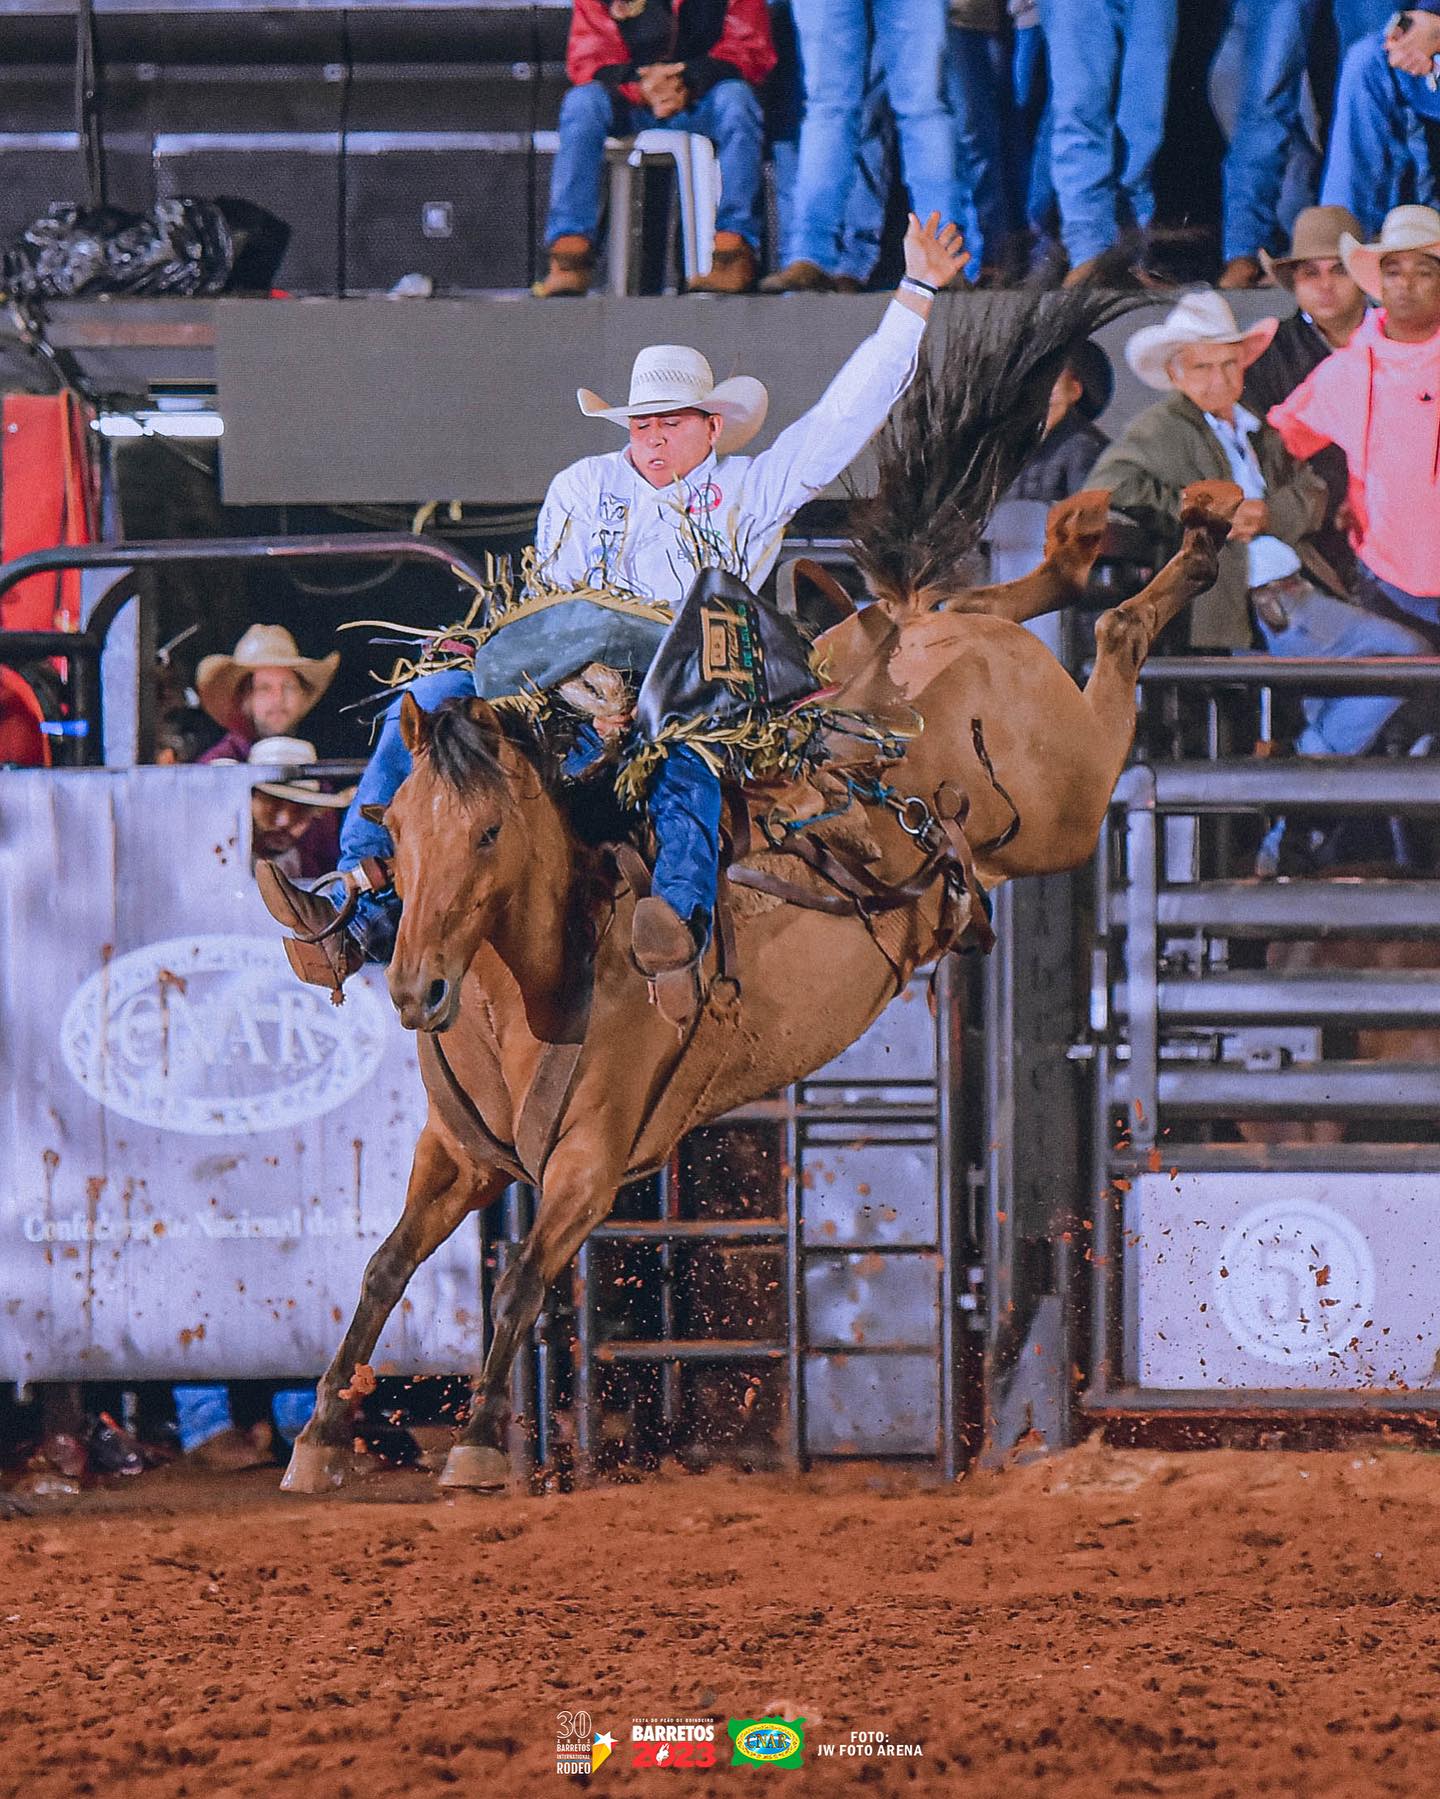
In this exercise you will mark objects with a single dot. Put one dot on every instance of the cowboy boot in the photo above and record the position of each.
(1242, 272)
(572, 264)
(666, 953)
(329, 963)
(732, 267)
(799, 277)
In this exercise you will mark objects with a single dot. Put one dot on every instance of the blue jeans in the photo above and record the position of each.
(1030, 76)
(729, 115)
(1256, 88)
(1109, 75)
(202, 1412)
(1421, 606)
(683, 802)
(989, 139)
(1320, 625)
(863, 225)
(1378, 152)
(1355, 19)
(837, 38)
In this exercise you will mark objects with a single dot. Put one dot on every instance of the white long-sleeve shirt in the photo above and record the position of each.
(603, 521)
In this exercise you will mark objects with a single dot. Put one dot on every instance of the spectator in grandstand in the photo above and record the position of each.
(1109, 75)
(295, 823)
(1258, 92)
(263, 689)
(836, 40)
(22, 724)
(1386, 128)
(184, 734)
(1073, 442)
(1272, 576)
(1378, 399)
(638, 64)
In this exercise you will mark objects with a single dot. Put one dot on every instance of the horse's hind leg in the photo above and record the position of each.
(573, 1200)
(1073, 535)
(440, 1193)
(1124, 636)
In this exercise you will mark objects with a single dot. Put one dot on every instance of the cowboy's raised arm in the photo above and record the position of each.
(808, 455)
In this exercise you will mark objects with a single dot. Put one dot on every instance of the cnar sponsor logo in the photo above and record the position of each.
(672, 1743)
(767, 1742)
(214, 1036)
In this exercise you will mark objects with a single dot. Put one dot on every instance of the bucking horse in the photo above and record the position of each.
(542, 1057)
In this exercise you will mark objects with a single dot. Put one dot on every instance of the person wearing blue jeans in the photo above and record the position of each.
(1387, 115)
(1109, 77)
(203, 1417)
(837, 39)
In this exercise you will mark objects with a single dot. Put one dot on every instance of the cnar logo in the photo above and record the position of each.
(214, 1036)
(767, 1742)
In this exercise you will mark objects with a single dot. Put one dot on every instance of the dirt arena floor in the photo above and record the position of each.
(1104, 1622)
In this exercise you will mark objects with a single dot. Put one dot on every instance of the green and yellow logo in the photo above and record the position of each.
(767, 1742)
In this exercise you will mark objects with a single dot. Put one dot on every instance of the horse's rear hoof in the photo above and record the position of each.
(315, 1468)
(472, 1465)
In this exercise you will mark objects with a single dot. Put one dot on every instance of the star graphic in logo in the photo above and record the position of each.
(601, 1750)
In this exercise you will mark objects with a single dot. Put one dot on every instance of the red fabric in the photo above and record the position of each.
(22, 742)
(595, 43)
(46, 498)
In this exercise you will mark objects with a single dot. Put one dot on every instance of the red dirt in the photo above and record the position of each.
(1106, 1622)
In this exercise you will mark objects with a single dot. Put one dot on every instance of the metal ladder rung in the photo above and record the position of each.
(699, 1230)
(678, 1349)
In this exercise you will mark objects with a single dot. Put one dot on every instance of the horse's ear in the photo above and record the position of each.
(375, 814)
(484, 716)
(414, 725)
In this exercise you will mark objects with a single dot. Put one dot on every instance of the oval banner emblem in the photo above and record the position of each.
(214, 1036)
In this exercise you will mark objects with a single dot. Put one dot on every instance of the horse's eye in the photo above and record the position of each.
(486, 839)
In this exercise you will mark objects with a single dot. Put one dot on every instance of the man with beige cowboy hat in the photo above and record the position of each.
(676, 516)
(263, 689)
(1379, 400)
(294, 819)
(1273, 578)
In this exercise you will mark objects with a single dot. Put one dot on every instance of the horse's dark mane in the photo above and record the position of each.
(959, 436)
(458, 750)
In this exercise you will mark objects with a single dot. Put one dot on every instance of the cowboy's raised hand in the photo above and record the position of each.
(934, 253)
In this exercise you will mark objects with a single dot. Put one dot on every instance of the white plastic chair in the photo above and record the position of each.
(697, 183)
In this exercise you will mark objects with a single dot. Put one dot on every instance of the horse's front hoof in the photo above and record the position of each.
(474, 1466)
(315, 1468)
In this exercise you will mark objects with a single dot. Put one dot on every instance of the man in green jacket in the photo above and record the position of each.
(1273, 579)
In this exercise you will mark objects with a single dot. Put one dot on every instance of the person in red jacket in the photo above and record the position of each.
(690, 65)
(22, 734)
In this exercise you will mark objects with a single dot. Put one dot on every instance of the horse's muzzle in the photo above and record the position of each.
(431, 1008)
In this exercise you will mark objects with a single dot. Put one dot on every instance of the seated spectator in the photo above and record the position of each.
(184, 734)
(1073, 442)
(1272, 577)
(638, 64)
(1265, 51)
(22, 724)
(295, 823)
(1109, 79)
(263, 690)
(1387, 118)
(1378, 399)
(1329, 306)
(837, 38)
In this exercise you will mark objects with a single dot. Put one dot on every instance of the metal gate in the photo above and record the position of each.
(1268, 1213)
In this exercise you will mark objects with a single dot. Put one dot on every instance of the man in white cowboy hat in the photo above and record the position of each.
(652, 519)
(294, 821)
(1272, 575)
(263, 689)
(1379, 400)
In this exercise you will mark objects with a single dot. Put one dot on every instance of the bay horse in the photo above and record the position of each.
(553, 1066)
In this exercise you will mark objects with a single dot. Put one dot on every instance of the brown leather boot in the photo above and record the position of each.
(666, 953)
(732, 267)
(327, 964)
(572, 266)
(799, 277)
(1242, 271)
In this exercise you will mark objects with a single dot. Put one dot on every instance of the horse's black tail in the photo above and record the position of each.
(962, 432)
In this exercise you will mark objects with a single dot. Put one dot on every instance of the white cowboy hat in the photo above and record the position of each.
(294, 752)
(1199, 318)
(675, 378)
(1405, 228)
(219, 678)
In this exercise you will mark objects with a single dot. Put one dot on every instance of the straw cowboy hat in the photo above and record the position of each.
(218, 679)
(1315, 237)
(675, 378)
(1203, 317)
(1406, 228)
(294, 752)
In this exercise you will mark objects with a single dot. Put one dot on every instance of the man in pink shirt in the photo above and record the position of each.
(1378, 398)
